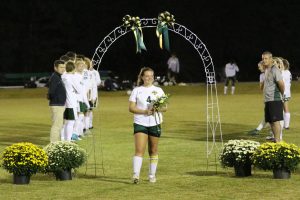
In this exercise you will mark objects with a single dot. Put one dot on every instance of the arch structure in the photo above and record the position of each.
(213, 122)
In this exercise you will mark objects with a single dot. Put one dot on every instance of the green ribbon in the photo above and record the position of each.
(165, 20)
(138, 34)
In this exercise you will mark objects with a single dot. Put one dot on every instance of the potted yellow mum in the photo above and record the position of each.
(23, 160)
(280, 157)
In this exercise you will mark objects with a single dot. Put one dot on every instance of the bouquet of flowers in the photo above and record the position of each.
(160, 102)
(64, 156)
(270, 156)
(24, 159)
(237, 152)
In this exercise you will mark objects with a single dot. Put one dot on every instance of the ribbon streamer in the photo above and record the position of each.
(165, 20)
(138, 35)
(135, 25)
(163, 35)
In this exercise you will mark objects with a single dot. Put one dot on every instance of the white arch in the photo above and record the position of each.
(212, 109)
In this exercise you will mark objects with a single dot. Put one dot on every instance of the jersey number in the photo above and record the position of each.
(149, 99)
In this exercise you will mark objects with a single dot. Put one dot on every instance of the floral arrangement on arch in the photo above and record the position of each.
(237, 152)
(64, 155)
(134, 23)
(24, 159)
(282, 155)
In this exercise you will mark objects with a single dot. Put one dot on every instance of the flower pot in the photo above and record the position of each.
(242, 170)
(281, 174)
(63, 175)
(20, 180)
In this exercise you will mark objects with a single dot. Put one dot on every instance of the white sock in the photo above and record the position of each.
(287, 118)
(137, 165)
(91, 119)
(232, 89)
(261, 125)
(153, 165)
(87, 122)
(78, 124)
(62, 133)
(281, 126)
(225, 89)
(69, 127)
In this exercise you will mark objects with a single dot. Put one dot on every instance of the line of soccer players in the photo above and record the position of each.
(81, 82)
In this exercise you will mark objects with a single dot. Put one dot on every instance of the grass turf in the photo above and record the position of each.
(183, 172)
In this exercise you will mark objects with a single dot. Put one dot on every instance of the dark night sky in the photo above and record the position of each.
(34, 33)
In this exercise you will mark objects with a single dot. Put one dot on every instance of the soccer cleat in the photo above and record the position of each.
(74, 137)
(271, 138)
(135, 179)
(286, 128)
(253, 132)
(152, 179)
(91, 127)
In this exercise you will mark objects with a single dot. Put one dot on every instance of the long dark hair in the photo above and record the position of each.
(142, 72)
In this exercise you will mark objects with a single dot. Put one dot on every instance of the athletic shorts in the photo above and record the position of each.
(154, 131)
(69, 114)
(273, 111)
(83, 107)
(92, 105)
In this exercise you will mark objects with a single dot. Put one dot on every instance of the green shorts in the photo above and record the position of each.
(152, 130)
(69, 114)
(83, 107)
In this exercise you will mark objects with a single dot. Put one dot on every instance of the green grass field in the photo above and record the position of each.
(183, 172)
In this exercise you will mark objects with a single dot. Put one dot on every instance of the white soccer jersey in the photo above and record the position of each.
(96, 81)
(231, 69)
(140, 95)
(71, 90)
(287, 79)
(81, 95)
(87, 82)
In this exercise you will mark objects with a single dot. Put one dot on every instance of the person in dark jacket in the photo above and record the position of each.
(57, 100)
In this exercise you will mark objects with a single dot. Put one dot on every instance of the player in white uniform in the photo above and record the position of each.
(70, 114)
(95, 82)
(83, 104)
(146, 127)
(87, 82)
(287, 79)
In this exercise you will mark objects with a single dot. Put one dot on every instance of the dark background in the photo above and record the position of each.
(34, 33)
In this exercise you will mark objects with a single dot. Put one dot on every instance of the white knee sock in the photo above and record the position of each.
(62, 133)
(261, 125)
(232, 89)
(91, 119)
(225, 89)
(287, 118)
(69, 127)
(153, 165)
(87, 122)
(281, 128)
(137, 165)
(79, 124)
